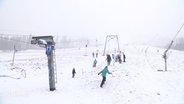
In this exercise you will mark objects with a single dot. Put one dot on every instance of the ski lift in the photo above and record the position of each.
(48, 43)
(34, 41)
(108, 38)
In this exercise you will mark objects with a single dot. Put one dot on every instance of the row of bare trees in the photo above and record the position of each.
(69, 42)
(22, 42)
(8, 41)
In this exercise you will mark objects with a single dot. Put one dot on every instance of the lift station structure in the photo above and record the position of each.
(108, 38)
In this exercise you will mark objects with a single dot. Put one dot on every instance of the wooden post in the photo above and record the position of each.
(14, 50)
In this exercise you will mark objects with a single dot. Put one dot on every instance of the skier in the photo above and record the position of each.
(73, 73)
(108, 59)
(124, 57)
(94, 63)
(104, 72)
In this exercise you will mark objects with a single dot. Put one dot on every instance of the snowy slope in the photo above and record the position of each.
(135, 82)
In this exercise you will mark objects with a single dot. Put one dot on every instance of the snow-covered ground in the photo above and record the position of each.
(137, 81)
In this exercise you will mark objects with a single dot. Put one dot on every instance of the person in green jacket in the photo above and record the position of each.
(94, 63)
(104, 72)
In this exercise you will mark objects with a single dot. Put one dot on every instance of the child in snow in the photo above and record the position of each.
(104, 72)
(73, 73)
(94, 63)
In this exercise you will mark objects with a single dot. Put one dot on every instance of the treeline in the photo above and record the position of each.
(178, 44)
(69, 42)
(21, 42)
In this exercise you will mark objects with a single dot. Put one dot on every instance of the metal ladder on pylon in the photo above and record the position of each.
(55, 68)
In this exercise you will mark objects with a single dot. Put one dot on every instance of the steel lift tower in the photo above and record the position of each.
(48, 43)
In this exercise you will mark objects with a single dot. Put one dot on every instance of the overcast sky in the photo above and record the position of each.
(130, 19)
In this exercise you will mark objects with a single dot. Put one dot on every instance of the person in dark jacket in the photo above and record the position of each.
(96, 54)
(108, 59)
(124, 57)
(73, 73)
(119, 58)
(104, 72)
(93, 54)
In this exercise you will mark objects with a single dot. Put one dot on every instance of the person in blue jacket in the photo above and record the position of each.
(104, 72)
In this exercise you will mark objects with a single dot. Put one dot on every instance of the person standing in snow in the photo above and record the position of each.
(103, 73)
(93, 54)
(94, 63)
(108, 59)
(119, 58)
(113, 56)
(124, 57)
(73, 73)
(97, 53)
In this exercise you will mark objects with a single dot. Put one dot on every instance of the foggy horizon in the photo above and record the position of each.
(133, 21)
